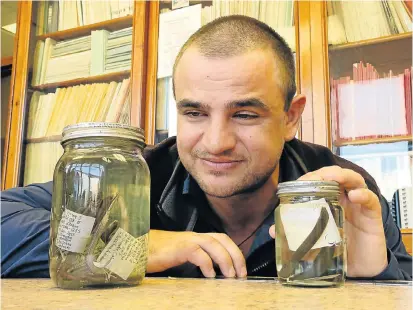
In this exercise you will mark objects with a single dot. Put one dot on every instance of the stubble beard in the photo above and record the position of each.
(248, 184)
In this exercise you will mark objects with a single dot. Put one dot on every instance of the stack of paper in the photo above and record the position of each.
(119, 50)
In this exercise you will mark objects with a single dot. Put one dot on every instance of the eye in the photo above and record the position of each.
(194, 114)
(245, 115)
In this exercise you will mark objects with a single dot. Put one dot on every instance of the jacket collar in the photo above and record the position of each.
(182, 200)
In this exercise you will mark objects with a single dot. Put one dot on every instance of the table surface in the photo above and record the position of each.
(172, 293)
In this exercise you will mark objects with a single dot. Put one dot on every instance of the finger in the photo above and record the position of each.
(347, 178)
(311, 176)
(272, 231)
(201, 259)
(238, 259)
(366, 198)
(218, 254)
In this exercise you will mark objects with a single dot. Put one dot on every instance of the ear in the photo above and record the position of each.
(294, 116)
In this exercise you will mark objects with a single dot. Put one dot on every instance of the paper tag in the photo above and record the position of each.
(299, 220)
(74, 231)
(121, 254)
(177, 4)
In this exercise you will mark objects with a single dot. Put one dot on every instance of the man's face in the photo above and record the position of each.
(231, 120)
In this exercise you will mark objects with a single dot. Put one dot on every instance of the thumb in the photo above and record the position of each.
(272, 231)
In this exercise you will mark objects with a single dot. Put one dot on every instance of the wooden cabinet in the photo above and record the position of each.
(407, 239)
(80, 60)
(330, 60)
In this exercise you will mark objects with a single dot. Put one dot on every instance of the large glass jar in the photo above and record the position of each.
(100, 211)
(310, 240)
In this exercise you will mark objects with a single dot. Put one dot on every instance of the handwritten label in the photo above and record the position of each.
(74, 231)
(299, 220)
(122, 254)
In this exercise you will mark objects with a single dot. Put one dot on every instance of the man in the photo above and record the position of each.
(213, 189)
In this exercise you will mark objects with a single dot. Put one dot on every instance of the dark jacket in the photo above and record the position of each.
(25, 213)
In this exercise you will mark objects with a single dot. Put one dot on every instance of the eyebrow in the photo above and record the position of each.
(251, 102)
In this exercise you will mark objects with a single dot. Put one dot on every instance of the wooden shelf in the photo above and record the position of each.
(111, 25)
(385, 53)
(339, 143)
(56, 138)
(6, 61)
(109, 77)
(375, 41)
(407, 239)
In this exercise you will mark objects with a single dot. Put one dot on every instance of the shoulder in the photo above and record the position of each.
(161, 159)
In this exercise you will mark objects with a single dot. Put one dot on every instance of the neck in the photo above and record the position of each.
(243, 213)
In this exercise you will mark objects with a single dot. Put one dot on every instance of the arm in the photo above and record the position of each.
(25, 222)
(374, 245)
(399, 261)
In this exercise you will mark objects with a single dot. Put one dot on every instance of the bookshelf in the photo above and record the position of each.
(85, 89)
(114, 76)
(376, 51)
(339, 143)
(373, 42)
(55, 138)
(159, 101)
(369, 85)
(110, 25)
(317, 62)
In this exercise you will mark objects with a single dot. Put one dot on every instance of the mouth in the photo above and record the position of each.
(220, 164)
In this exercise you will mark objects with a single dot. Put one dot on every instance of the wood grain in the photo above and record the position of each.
(339, 143)
(161, 293)
(320, 75)
(108, 77)
(17, 102)
(152, 69)
(297, 57)
(305, 73)
(138, 80)
(374, 41)
(386, 53)
(110, 25)
(407, 239)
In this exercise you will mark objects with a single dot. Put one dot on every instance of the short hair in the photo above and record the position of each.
(237, 34)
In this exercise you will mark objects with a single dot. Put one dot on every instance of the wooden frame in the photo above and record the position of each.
(111, 25)
(138, 73)
(303, 83)
(305, 69)
(17, 106)
(152, 63)
(14, 142)
(320, 73)
(314, 72)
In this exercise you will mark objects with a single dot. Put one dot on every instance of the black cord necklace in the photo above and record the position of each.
(256, 229)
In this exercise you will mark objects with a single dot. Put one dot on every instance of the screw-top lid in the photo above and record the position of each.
(85, 130)
(309, 187)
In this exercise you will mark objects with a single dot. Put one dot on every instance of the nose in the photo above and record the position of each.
(219, 137)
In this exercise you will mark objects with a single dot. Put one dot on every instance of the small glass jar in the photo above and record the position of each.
(310, 240)
(100, 210)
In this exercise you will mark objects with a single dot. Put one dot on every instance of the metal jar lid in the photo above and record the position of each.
(308, 187)
(86, 130)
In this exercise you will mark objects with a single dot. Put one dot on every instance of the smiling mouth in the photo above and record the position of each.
(217, 164)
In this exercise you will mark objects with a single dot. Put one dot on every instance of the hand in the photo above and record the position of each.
(169, 249)
(366, 242)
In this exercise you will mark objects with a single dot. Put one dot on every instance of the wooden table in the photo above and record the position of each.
(162, 293)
